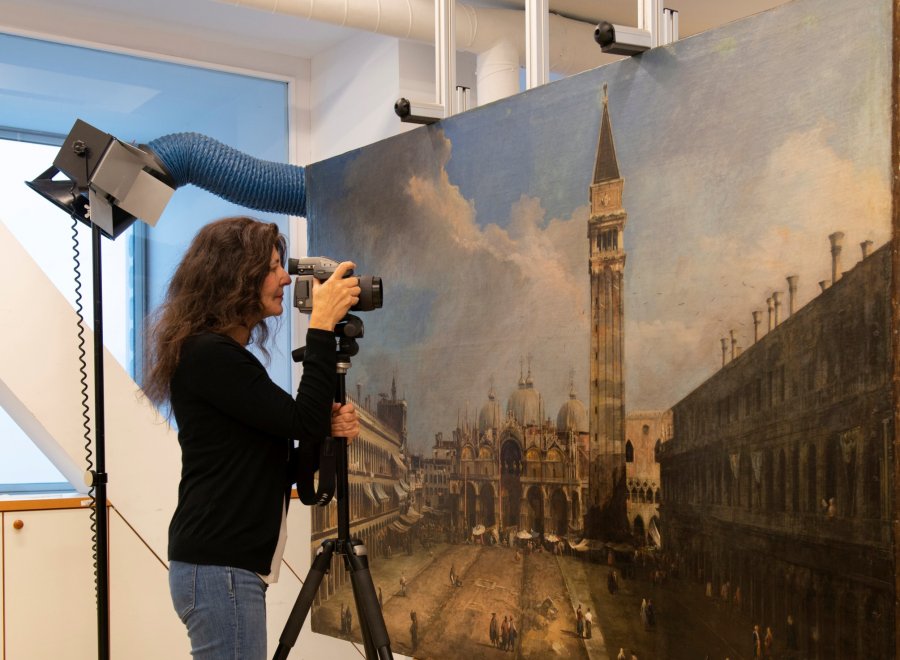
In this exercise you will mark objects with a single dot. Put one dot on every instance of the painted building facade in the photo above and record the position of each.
(645, 433)
(380, 492)
(777, 482)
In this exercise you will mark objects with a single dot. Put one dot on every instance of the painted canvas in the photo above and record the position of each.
(629, 393)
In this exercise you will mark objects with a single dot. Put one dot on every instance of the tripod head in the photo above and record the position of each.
(347, 331)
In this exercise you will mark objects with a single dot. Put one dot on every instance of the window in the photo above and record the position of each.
(812, 500)
(44, 88)
(46, 235)
(24, 468)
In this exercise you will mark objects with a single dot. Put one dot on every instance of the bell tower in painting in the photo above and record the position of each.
(607, 403)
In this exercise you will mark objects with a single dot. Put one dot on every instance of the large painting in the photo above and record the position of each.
(629, 394)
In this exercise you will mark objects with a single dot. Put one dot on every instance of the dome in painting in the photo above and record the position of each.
(572, 415)
(490, 416)
(525, 403)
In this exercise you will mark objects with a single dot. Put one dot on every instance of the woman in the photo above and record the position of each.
(236, 427)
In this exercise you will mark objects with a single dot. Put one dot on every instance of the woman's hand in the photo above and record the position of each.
(333, 298)
(344, 421)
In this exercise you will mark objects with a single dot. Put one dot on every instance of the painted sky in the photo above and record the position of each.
(741, 150)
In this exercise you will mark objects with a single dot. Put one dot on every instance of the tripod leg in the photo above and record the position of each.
(369, 646)
(371, 620)
(295, 621)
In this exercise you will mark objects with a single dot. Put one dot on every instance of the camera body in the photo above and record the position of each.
(310, 269)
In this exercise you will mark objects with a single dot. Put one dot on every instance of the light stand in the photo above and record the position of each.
(110, 183)
(98, 478)
(371, 620)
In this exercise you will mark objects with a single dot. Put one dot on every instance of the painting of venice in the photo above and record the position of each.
(629, 395)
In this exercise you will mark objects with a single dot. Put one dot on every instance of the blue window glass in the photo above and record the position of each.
(44, 88)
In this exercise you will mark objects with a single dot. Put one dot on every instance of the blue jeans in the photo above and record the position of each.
(223, 608)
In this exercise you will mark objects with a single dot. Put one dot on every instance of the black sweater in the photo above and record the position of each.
(235, 428)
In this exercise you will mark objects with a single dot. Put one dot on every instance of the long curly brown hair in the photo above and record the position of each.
(216, 288)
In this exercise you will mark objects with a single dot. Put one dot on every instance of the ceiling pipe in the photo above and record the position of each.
(497, 73)
(478, 29)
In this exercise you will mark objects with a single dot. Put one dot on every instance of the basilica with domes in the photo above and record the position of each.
(515, 467)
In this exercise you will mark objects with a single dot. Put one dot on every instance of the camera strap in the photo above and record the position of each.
(322, 492)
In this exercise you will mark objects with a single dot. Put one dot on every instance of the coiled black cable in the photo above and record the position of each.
(85, 400)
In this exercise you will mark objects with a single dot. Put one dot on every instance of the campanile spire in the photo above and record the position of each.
(607, 408)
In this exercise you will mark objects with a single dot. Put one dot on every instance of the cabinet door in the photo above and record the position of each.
(50, 601)
(143, 623)
(4, 523)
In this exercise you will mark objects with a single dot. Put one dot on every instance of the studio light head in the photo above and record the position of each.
(110, 184)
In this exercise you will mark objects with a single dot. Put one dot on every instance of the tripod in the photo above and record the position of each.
(371, 621)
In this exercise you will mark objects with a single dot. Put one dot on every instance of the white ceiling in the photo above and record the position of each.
(298, 37)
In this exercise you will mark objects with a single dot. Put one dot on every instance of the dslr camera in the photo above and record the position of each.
(321, 268)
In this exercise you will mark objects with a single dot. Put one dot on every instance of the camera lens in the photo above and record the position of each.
(370, 295)
(376, 292)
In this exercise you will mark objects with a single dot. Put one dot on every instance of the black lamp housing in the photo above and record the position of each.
(110, 183)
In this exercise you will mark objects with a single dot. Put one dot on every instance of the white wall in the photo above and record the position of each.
(354, 86)
(417, 72)
(352, 92)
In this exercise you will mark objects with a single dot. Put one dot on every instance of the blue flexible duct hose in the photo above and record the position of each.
(230, 174)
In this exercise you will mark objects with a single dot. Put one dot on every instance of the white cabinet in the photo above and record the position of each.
(2, 613)
(50, 604)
